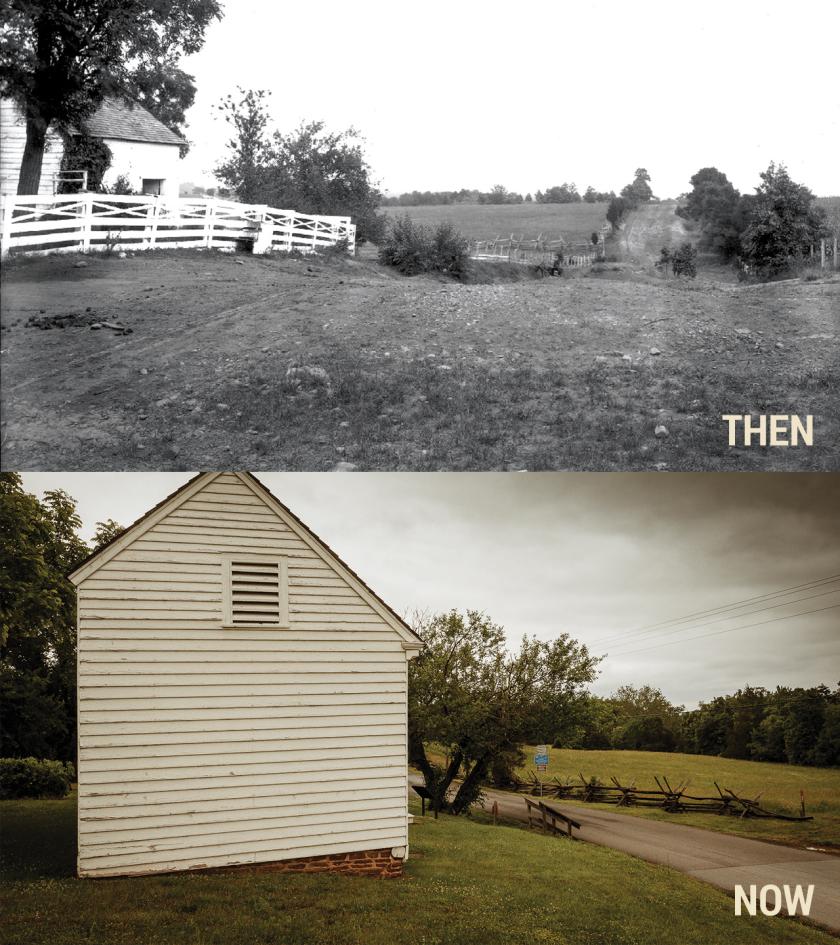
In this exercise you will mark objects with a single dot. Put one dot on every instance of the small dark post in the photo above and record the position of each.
(495, 811)
(801, 803)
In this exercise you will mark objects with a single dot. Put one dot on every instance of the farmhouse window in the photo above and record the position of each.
(255, 591)
(153, 186)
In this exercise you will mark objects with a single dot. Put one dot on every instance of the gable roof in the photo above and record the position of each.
(128, 121)
(166, 506)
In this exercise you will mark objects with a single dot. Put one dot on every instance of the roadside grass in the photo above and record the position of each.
(574, 222)
(778, 784)
(465, 883)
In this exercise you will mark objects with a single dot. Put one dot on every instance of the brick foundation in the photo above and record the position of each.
(379, 863)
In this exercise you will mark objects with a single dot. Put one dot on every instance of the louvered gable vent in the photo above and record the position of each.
(256, 592)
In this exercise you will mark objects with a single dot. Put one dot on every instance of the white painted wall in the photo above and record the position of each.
(12, 142)
(139, 159)
(201, 746)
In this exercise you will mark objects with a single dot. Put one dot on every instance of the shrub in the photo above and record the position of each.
(684, 261)
(35, 777)
(412, 249)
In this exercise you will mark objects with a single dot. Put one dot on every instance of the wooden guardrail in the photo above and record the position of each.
(549, 819)
(88, 222)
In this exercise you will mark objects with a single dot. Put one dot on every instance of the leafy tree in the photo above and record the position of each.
(39, 545)
(477, 702)
(782, 222)
(617, 211)
(639, 191)
(684, 261)
(804, 719)
(84, 150)
(646, 734)
(827, 748)
(105, 533)
(311, 170)
(60, 58)
(716, 205)
(165, 90)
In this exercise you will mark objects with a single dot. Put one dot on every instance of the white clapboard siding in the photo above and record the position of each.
(203, 745)
(13, 138)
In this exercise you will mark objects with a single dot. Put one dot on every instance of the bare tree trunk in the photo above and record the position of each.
(33, 155)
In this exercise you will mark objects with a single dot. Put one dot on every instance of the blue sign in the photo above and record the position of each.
(540, 759)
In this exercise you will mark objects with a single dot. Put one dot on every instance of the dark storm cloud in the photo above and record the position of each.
(594, 555)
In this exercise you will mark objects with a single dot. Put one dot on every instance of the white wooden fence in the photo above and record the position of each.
(83, 222)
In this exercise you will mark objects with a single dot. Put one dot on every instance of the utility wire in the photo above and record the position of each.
(715, 633)
(698, 625)
(736, 605)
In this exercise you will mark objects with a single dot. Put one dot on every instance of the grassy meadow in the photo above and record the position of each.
(574, 222)
(464, 883)
(778, 784)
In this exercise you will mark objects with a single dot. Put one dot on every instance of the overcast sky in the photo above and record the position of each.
(597, 555)
(475, 93)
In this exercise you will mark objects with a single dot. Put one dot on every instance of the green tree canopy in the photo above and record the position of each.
(473, 699)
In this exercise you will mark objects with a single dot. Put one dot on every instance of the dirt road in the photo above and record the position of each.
(650, 228)
(721, 859)
(281, 363)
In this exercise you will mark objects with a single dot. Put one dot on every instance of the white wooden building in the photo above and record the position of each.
(143, 149)
(242, 695)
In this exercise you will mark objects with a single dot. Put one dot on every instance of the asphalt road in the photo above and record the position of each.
(721, 859)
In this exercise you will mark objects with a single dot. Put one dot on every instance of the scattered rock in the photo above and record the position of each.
(308, 376)
(144, 370)
(660, 467)
(222, 407)
(239, 262)
(661, 431)
(344, 466)
(121, 255)
(779, 345)
(344, 423)
(655, 351)
(628, 358)
(80, 265)
(742, 331)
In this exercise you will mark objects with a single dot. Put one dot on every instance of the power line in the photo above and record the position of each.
(646, 628)
(703, 623)
(715, 633)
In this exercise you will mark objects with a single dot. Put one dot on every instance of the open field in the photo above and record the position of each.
(778, 784)
(285, 363)
(465, 883)
(574, 222)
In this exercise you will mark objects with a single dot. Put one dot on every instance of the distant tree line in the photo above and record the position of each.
(768, 231)
(790, 725)
(563, 193)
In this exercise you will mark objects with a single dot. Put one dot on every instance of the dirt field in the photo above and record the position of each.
(279, 363)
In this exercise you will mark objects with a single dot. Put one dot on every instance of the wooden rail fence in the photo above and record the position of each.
(536, 252)
(674, 800)
(86, 222)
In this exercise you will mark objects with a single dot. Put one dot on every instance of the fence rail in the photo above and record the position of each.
(536, 252)
(88, 222)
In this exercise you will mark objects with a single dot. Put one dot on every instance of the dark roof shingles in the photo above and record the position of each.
(129, 122)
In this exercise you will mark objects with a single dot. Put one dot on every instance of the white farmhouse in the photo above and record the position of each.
(144, 150)
(242, 695)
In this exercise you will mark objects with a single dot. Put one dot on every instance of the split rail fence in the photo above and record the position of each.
(536, 252)
(88, 222)
(674, 800)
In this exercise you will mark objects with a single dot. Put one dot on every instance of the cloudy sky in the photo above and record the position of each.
(600, 556)
(472, 94)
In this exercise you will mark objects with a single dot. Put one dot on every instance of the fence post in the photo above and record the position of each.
(8, 216)
(822, 254)
(209, 220)
(87, 221)
(834, 255)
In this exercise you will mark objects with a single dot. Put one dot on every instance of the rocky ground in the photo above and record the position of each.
(188, 360)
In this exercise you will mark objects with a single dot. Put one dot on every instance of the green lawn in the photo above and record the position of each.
(465, 883)
(778, 784)
(574, 222)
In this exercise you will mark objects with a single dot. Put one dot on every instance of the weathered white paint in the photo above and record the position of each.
(201, 745)
(135, 160)
(12, 142)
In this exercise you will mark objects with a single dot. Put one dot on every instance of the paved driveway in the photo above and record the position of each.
(717, 858)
